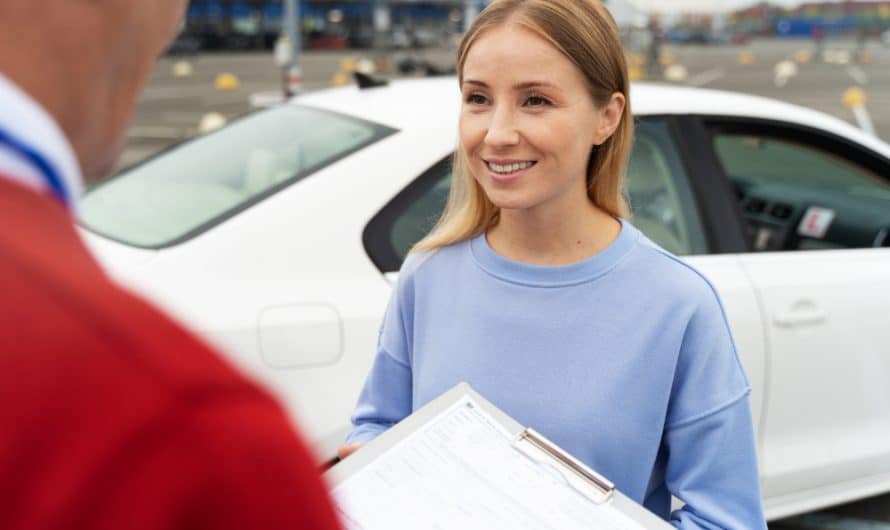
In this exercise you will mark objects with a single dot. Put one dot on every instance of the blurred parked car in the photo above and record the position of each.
(688, 36)
(279, 237)
(184, 44)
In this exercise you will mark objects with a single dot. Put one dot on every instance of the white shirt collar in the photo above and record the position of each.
(25, 119)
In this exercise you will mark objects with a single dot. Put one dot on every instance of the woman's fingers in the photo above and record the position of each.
(345, 450)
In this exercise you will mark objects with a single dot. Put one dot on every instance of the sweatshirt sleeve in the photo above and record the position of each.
(385, 399)
(709, 436)
(387, 395)
(712, 467)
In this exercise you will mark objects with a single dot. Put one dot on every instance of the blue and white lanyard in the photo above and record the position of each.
(50, 177)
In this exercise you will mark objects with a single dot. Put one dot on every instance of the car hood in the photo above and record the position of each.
(122, 262)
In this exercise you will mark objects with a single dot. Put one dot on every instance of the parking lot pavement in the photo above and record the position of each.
(173, 107)
(815, 80)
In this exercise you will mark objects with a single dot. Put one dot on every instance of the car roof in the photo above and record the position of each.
(398, 105)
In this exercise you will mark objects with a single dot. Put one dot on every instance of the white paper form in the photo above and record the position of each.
(460, 471)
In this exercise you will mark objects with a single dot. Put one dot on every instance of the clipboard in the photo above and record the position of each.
(595, 489)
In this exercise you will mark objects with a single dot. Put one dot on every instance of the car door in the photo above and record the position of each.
(667, 206)
(817, 212)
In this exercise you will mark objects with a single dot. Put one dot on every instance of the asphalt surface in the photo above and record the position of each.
(174, 105)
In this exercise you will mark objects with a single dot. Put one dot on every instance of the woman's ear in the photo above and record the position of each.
(609, 118)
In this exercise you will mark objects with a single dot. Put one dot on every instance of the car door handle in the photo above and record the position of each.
(803, 313)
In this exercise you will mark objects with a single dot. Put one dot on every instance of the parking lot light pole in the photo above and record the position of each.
(471, 11)
(293, 76)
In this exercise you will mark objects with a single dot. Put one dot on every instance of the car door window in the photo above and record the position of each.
(662, 203)
(804, 195)
(661, 200)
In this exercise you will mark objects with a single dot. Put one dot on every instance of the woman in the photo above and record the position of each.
(535, 290)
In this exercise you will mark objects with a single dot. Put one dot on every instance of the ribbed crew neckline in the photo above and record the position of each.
(557, 275)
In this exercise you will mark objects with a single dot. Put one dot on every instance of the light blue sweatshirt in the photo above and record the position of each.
(624, 359)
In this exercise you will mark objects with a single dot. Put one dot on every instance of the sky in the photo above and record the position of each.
(711, 6)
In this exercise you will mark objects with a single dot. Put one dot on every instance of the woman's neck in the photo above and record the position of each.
(557, 239)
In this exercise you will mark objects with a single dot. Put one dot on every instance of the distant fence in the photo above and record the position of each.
(810, 27)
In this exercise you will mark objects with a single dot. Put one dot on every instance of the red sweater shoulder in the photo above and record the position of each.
(102, 397)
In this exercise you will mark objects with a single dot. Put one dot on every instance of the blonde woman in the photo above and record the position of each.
(536, 290)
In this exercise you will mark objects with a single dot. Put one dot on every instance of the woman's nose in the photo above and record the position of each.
(502, 130)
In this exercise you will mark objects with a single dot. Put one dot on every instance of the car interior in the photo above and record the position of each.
(795, 196)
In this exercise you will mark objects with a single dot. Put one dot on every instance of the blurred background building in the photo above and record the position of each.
(325, 24)
(337, 24)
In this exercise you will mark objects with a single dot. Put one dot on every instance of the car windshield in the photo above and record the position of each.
(197, 184)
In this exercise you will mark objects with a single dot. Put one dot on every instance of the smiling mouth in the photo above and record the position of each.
(509, 169)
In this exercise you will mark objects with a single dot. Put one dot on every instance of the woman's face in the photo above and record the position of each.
(528, 122)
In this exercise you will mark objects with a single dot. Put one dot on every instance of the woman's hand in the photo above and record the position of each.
(345, 450)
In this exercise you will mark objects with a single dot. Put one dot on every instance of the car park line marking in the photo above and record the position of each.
(676, 73)
(864, 120)
(266, 98)
(784, 71)
(211, 122)
(819, 521)
(182, 69)
(836, 56)
(706, 77)
(858, 75)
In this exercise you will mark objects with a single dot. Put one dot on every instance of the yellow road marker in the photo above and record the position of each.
(667, 59)
(347, 64)
(803, 57)
(341, 79)
(854, 99)
(227, 82)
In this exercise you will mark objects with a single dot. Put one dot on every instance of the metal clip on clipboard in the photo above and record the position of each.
(576, 474)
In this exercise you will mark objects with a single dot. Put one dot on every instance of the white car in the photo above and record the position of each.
(279, 236)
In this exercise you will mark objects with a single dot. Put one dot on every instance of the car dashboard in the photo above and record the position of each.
(782, 217)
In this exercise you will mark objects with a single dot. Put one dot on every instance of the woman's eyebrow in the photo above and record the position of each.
(519, 86)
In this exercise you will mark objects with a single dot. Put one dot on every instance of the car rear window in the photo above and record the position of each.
(198, 184)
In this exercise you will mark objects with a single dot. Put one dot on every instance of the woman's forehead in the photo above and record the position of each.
(512, 53)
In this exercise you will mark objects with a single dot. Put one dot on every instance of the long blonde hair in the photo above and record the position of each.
(585, 32)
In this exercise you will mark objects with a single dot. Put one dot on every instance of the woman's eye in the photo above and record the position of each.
(476, 99)
(536, 101)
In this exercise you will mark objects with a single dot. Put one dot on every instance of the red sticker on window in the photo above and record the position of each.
(815, 222)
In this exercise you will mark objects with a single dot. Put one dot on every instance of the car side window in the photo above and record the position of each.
(420, 216)
(800, 194)
(661, 200)
(662, 203)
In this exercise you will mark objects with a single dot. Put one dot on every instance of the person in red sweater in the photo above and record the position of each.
(111, 415)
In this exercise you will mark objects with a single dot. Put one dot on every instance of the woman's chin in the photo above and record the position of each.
(507, 202)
